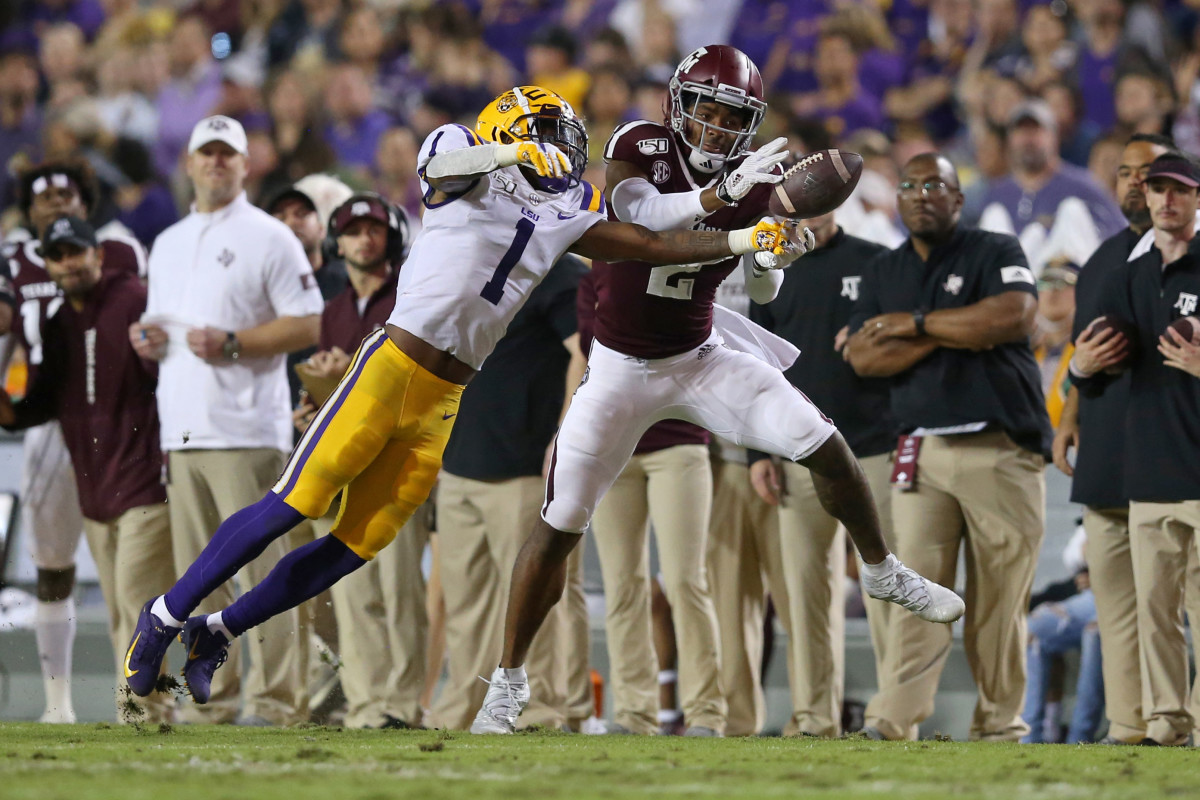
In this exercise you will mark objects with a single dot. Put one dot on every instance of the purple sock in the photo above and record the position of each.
(238, 541)
(301, 574)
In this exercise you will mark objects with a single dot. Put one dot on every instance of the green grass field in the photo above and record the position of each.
(41, 762)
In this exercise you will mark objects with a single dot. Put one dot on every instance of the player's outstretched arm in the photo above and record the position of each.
(620, 241)
(447, 170)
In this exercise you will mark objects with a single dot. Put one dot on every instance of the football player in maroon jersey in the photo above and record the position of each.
(657, 355)
(50, 505)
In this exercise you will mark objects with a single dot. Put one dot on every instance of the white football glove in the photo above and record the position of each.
(798, 244)
(755, 169)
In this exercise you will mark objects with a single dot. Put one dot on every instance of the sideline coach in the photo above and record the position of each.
(948, 316)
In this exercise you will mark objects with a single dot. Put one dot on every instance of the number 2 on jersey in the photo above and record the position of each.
(667, 281)
(493, 290)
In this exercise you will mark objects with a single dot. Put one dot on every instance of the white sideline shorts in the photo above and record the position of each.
(50, 517)
(732, 394)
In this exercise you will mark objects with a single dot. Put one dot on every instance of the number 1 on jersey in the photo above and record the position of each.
(493, 290)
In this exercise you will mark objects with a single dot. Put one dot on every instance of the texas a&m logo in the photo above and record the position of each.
(850, 286)
(1186, 304)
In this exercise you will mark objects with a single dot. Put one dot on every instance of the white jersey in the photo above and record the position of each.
(482, 251)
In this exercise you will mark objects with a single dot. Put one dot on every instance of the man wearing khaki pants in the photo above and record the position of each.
(230, 292)
(489, 495)
(110, 426)
(814, 304)
(947, 315)
(1095, 427)
(1154, 290)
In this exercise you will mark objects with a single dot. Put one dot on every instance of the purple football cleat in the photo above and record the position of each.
(143, 659)
(205, 652)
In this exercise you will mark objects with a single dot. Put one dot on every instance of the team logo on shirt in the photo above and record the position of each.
(850, 286)
(953, 284)
(660, 171)
(225, 258)
(651, 147)
(1186, 303)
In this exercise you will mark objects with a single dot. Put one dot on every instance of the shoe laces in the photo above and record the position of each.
(508, 701)
(910, 586)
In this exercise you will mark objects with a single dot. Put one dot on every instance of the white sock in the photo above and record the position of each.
(666, 676)
(54, 626)
(159, 609)
(666, 715)
(216, 624)
(882, 569)
(514, 675)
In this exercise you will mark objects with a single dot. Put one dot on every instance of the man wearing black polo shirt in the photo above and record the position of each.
(1095, 427)
(1162, 461)
(948, 316)
(490, 493)
(813, 304)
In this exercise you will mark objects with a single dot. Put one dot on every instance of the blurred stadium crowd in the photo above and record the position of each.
(1034, 103)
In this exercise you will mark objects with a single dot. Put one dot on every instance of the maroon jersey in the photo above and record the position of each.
(39, 298)
(102, 394)
(660, 435)
(659, 311)
(344, 326)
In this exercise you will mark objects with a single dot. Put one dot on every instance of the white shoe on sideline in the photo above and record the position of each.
(58, 716)
(504, 702)
(904, 587)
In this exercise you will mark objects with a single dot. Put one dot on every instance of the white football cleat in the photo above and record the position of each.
(504, 702)
(900, 585)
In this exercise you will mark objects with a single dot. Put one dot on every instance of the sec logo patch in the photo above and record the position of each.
(660, 171)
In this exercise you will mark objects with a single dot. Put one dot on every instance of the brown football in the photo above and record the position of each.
(816, 184)
(1124, 328)
(1188, 328)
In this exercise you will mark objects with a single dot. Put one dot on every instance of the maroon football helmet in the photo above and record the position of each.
(716, 73)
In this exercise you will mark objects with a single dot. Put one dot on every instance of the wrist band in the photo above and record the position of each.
(919, 321)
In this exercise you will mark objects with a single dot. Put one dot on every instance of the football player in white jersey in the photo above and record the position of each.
(503, 202)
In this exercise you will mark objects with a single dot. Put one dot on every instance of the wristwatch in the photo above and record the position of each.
(919, 321)
(232, 348)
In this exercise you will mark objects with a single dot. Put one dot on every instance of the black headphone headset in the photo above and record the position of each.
(398, 230)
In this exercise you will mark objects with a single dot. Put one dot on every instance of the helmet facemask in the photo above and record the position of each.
(685, 98)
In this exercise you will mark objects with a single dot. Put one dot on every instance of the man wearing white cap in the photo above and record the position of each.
(231, 292)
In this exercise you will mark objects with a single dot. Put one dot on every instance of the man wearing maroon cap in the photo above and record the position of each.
(1162, 465)
(380, 609)
(102, 394)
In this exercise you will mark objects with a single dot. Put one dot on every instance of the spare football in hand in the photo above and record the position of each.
(816, 184)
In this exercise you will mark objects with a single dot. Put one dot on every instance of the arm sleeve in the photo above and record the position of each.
(867, 305)
(761, 314)
(454, 150)
(636, 200)
(761, 287)
(1008, 269)
(290, 283)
